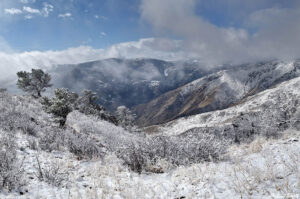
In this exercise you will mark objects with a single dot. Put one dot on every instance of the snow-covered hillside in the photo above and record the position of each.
(269, 103)
(250, 150)
(262, 169)
(216, 91)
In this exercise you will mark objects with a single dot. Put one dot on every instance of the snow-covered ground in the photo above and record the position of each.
(262, 169)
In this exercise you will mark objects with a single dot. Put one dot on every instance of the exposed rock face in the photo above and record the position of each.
(216, 91)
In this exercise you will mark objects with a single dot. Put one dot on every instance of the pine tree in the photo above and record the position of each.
(66, 101)
(61, 105)
(35, 82)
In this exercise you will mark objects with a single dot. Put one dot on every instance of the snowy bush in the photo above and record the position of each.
(11, 171)
(126, 117)
(52, 173)
(84, 147)
(52, 139)
(12, 120)
(142, 152)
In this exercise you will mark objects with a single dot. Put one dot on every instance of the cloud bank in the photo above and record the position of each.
(276, 30)
(10, 63)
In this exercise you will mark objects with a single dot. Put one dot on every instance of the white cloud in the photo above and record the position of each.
(66, 15)
(276, 36)
(102, 34)
(13, 11)
(100, 17)
(31, 10)
(28, 16)
(27, 1)
(47, 9)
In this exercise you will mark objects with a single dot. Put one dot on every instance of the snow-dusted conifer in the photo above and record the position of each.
(61, 105)
(35, 82)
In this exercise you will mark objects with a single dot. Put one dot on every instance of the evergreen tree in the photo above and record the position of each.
(66, 101)
(35, 82)
(61, 105)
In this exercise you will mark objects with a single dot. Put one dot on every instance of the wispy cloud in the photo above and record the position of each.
(47, 9)
(13, 11)
(100, 17)
(28, 16)
(27, 1)
(31, 10)
(65, 15)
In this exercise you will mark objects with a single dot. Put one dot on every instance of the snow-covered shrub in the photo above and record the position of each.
(12, 120)
(145, 153)
(11, 171)
(32, 143)
(141, 152)
(52, 173)
(126, 117)
(84, 147)
(3, 90)
(52, 138)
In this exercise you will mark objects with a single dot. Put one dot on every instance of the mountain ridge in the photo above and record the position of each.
(215, 91)
(127, 82)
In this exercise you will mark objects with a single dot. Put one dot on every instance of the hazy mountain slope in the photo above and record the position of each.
(266, 113)
(216, 91)
(127, 82)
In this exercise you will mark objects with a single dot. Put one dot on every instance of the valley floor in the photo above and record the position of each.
(261, 169)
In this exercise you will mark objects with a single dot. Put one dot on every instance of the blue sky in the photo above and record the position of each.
(28, 25)
(98, 23)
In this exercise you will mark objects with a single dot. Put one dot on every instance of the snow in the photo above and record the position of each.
(231, 85)
(166, 72)
(272, 171)
(221, 117)
(154, 83)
